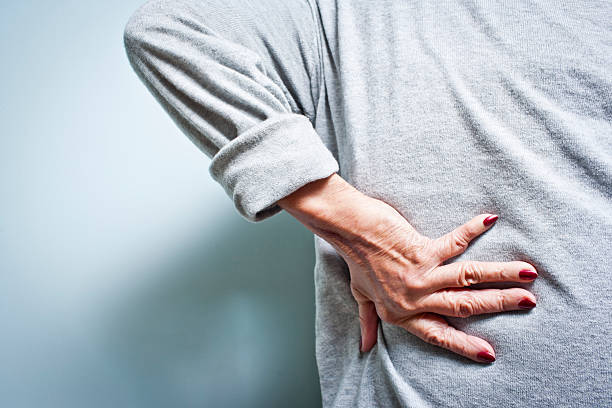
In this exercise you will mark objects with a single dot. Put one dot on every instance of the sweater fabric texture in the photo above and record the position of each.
(445, 110)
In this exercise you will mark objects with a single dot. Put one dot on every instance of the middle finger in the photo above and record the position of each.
(466, 273)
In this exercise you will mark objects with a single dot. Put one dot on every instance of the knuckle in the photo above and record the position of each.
(421, 253)
(395, 313)
(465, 306)
(416, 283)
(436, 336)
(385, 314)
(500, 301)
(460, 240)
(362, 319)
(470, 272)
(356, 292)
(500, 273)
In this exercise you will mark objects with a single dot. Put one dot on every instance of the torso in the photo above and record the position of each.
(446, 111)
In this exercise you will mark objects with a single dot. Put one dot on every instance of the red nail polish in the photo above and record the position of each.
(490, 220)
(527, 274)
(526, 304)
(486, 356)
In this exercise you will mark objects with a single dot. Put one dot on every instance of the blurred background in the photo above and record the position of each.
(127, 278)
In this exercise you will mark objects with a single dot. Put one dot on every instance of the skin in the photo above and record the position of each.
(396, 273)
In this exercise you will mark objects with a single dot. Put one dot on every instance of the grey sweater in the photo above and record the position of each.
(444, 110)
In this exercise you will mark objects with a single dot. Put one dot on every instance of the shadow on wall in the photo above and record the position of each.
(227, 322)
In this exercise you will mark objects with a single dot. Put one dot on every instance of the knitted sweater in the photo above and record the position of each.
(444, 110)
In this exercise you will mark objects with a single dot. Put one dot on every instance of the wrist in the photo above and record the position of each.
(336, 211)
(322, 204)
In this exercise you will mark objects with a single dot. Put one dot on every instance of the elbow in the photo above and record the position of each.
(144, 25)
(134, 33)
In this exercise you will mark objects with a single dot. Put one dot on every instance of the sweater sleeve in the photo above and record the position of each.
(241, 79)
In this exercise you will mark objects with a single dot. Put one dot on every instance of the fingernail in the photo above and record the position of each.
(490, 220)
(527, 274)
(526, 304)
(486, 356)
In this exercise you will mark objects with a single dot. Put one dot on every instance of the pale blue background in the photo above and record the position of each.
(118, 286)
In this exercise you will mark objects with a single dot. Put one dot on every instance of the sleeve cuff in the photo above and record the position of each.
(270, 161)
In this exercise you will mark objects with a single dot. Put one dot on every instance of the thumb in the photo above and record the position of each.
(368, 321)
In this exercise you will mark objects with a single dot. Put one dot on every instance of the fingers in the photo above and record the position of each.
(457, 241)
(468, 302)
(466, 273)
(435, 330)
(368, 321)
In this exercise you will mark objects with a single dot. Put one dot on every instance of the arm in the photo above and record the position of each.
(396, 273)
(214, 67)
(241, 79)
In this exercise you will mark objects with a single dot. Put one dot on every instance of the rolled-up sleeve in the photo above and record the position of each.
(241, 79)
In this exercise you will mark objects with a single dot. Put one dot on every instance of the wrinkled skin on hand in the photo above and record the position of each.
(399, 275)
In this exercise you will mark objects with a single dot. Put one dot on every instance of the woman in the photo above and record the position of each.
(399, 132)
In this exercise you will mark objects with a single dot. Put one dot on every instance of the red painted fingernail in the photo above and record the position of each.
(490, 220)
(486, 356)
(526, 304)
(527, 274)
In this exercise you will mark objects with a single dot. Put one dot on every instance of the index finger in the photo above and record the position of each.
(457, 241)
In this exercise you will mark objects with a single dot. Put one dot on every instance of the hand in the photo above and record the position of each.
(396, 273)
